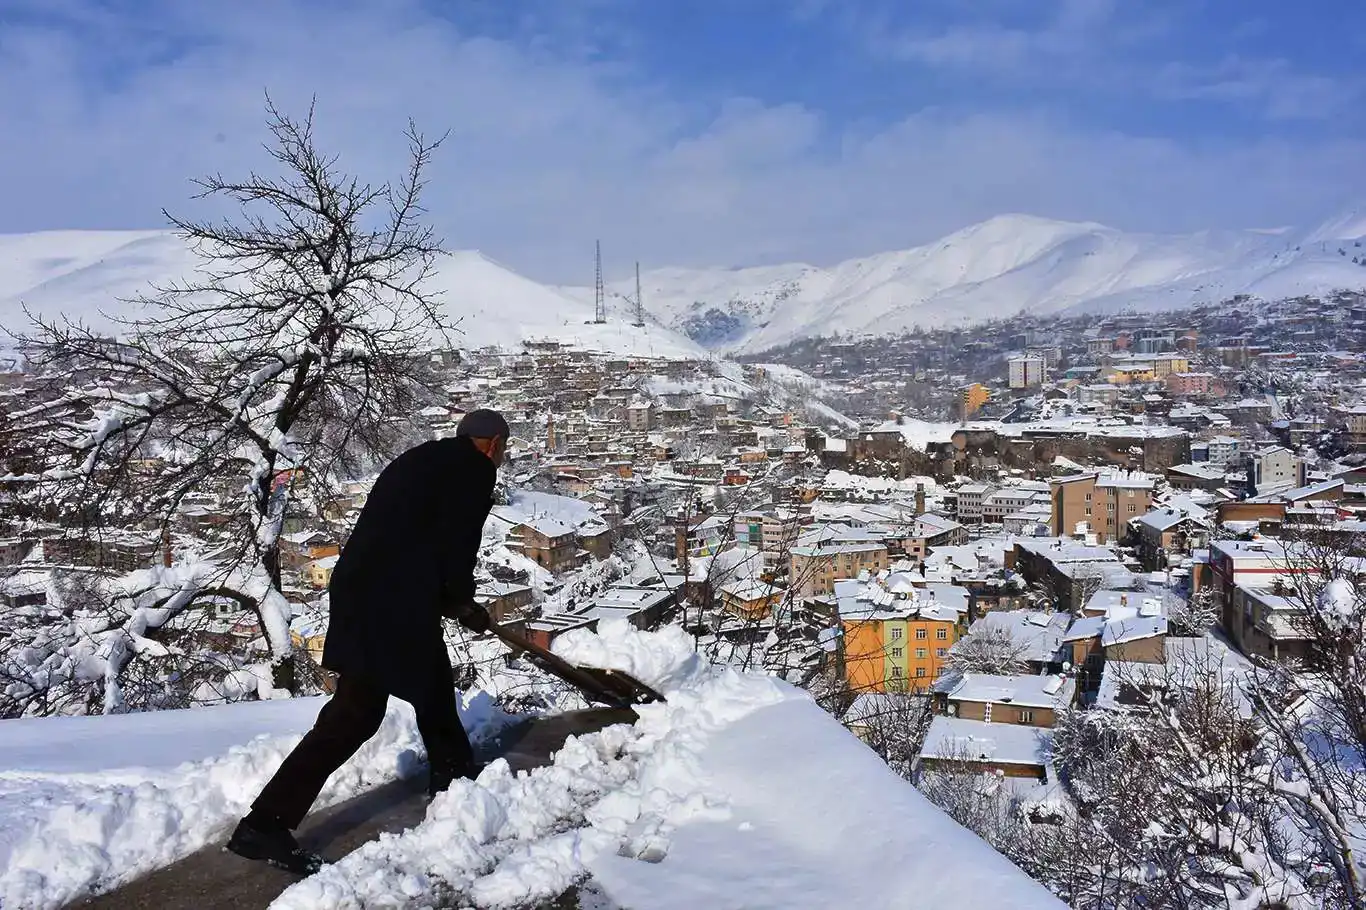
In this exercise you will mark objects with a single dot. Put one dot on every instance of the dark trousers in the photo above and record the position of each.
(350, 717)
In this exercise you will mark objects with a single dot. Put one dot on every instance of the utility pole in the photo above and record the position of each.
(600, 295)
(640, 303)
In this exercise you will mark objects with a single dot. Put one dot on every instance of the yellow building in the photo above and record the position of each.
(814, 569)
(898, 642)
(972, 397)
(1166, 364)
(1123, 374)
(319, 571)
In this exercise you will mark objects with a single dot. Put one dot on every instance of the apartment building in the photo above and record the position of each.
(814, 569)
(1101, 504)
(1273, 468)
(970, 501)
(896, 637)
(1027, 370)
(773, 532)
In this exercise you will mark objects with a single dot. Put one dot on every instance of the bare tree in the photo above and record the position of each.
(991, 649)
(1194, 616)
(275, 369)
(1313, 710)
(892, 724)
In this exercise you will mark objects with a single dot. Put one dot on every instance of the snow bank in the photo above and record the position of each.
(89, 803)
(508, 841)
(815, 820)
(739, 792)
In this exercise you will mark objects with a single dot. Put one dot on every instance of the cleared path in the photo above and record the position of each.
(214, 878)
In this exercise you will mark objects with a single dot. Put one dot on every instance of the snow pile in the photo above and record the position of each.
(506, 841)
(815, 820)
(739, 792)
(91, 802)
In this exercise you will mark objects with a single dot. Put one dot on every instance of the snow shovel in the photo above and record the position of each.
(607, 687)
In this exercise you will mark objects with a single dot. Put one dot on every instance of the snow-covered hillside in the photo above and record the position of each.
(998, 268)
(989, 270)
(86, 273)
(739, 791)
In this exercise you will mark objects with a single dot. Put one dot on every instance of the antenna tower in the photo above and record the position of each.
(600, 295)
(640, 305)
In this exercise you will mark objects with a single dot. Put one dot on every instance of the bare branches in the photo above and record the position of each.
(270, 372)
(992, 650)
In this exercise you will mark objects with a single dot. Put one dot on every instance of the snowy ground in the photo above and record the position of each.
(89, 802)
(739, 792)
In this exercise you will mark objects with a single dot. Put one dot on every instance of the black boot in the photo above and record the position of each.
(439, 779)
(269, 841)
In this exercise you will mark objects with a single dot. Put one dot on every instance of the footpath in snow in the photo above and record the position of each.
(88, 803)
(738, 792)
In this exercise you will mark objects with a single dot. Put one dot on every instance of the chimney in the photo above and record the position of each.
(920, 499)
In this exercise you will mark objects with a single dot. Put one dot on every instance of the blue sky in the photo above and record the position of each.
(698, 131)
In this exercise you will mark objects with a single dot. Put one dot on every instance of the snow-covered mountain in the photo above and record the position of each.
(997, 268)
(86, 273)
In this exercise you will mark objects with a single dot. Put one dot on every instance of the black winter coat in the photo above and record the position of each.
(412, 555)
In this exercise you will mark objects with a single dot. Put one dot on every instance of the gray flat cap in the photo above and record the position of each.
(482, 424)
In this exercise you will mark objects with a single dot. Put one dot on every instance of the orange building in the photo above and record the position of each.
(896, 637)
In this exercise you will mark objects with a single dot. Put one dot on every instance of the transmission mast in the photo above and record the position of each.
(600, 294)
(640, 304)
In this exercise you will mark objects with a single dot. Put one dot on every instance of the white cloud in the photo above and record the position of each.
(547, 153)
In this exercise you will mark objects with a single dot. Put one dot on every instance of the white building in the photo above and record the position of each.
(1027, 370)
(970, 500)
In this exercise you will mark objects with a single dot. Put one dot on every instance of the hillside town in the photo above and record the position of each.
(1057, 531)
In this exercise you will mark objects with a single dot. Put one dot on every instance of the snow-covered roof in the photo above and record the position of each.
(751, 589)
(953, 738)
(1027, 691)
(861, 601)
(1315, 489)
(1163, 519)
(1187, 662)
(1038, 634)
(1084, 628)
(1061, 550)
(1119, 631)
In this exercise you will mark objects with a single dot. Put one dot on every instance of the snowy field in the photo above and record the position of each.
(739, 792)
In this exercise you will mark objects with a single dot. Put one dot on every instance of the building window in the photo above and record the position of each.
(942, 634)
(919, 672)
(896, 672)
(896, 652)
(1026, 716)
(940, 652)
(1132, 508)
(921, 633)
(986, 712)
(896, 633)
(920, 652)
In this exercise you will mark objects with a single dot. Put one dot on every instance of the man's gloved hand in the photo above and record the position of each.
(470, 615)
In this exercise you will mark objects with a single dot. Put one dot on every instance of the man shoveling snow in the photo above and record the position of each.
(410, 561)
